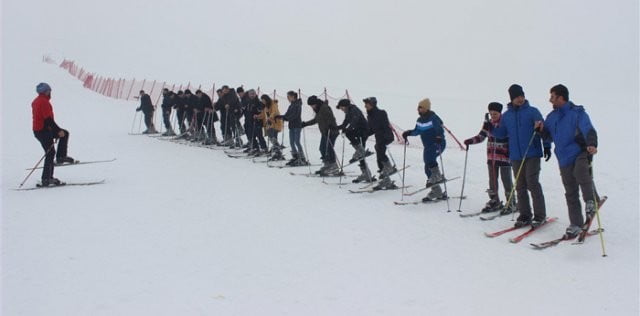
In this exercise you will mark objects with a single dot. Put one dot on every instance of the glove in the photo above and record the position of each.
(304, 124)
(487, 118)
(138, 109)
(467, 142)
(486, 126)
(547, 154)
(405, 135)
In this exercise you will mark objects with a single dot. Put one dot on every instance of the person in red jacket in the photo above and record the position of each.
(45, 130)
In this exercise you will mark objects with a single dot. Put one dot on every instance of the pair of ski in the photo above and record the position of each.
(522, 236)
(369, 188)
(580, 238)
(63, 184)
(77, 162)
(428, 186)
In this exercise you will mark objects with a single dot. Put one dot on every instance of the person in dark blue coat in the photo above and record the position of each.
(380, 128)
(147, 109)
(294, 117)
(429, 127)
(525, 150)
(568, 126)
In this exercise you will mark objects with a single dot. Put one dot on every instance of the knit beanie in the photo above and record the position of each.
(313, 100)
(425, 104)
(495, 106)
(343, 102)
(515, 91)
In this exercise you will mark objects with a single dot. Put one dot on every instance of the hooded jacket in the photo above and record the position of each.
(569, 127)
(42, 113)
(517, 124)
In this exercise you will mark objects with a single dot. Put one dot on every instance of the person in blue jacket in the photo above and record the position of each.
(429, 127)
(525, 150)
(568, 126)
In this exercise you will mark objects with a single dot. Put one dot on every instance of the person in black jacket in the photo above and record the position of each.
(380, 127)
(294, 117)
(147, 109)
(235, 112)
(329, 131)
(210, 116)
(258, 145)
(190, 103)
(167, 103)
(179, 106)
(356, 129)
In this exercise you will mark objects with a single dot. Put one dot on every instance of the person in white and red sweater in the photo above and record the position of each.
(497, 161)
(46, 130)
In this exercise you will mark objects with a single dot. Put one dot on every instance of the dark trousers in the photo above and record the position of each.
(528, 182)
(576, 177)
(503, 172)
(148, 119)
(430, 157)
(381, 152)
(180, 113)
(327, 141)
(166, 118)
(45, 138)
(257, 137)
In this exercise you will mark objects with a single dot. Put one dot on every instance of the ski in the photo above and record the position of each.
(522, 236)
(426, 202)
(373, 183)
(472, 214)
(61, 185)
(371, 190)
(77, 162)
(589, 221)
(554, 242)
(504, 231)
(315, 175)
(429, 186)
(367, 154)
(493, 216)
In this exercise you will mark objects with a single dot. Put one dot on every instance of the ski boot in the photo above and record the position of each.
(492, 206)
(522, 221)
(509, 208)
(65, 160)
(537, 222)
(572, 231)
(332, 170)
(365, 176)
(50, 182)
(435, 194)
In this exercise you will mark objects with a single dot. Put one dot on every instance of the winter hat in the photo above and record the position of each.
(313, 100)
(187, 91)
(495, 106)
(343, 102)
(43, 87)
(239, 90)
(425, 104)
(515, 91)
(371, 100)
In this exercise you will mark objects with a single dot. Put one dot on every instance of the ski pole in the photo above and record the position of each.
(597, 205)
(133, 123)
(404, 165)
(464, 177)
(342, 162)
(445, 182)
(55, 140)
(515, 182)
(304, 140)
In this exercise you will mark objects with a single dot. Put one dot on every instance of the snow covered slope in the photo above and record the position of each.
(179, 230)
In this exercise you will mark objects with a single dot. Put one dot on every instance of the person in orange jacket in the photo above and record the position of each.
(272, 126)
(46, 130)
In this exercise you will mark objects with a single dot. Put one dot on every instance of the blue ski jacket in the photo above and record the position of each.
(517, 123)
(569, 127)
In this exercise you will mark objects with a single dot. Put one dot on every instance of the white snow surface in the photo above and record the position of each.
(179, 230)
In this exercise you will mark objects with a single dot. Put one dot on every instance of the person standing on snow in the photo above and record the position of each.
(167, 103)
(294, 117)
(356, 130)
(497, 161)
(568, 126)
(272, 125)
(525, 150)
(380, 127)
(147, 109)
(46, 130)
(329, 132)
(429, 127)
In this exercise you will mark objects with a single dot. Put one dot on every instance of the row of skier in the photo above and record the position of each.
(516, 142)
